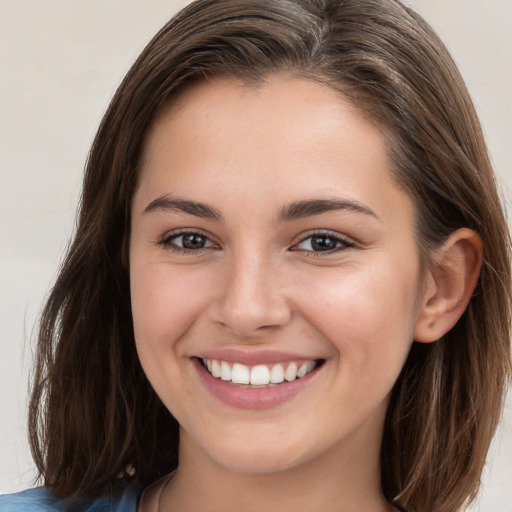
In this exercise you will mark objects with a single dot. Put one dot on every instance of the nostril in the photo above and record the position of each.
(248, 324)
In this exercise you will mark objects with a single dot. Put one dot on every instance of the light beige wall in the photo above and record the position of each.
(60, 62)
(479, 36)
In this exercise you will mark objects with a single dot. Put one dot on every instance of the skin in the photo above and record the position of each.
(258, 284)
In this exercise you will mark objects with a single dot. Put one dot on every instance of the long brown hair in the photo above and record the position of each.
(95, 419)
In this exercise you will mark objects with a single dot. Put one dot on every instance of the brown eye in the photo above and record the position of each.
(323, 242)
(187, 241)
(192, 241)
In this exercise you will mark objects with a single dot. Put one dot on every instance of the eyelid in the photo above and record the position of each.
(166, 240)
(347, 243)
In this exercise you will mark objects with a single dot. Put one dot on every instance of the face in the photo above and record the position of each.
(275, 277)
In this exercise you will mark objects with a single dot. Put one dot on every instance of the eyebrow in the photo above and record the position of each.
(309, 208)
(294, 211)
(183, 205)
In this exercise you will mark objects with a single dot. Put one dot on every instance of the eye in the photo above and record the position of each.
(323, 242)
(187, 241)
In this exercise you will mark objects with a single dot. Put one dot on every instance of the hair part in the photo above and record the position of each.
(94, 418)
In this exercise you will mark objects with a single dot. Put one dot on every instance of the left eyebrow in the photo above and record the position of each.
(309, 208)
(195, 208)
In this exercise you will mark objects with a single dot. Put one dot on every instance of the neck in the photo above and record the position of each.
(344, 479)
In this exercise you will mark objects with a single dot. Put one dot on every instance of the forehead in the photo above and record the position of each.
(284, 135)
(282, 104)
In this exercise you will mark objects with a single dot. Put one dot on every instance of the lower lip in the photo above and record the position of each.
(251, 398)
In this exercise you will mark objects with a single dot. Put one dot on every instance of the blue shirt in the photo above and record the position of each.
(41, 500)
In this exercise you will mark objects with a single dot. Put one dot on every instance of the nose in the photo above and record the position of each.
(253, 299)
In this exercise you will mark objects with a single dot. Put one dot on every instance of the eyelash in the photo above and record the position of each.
(168, 242)
(342, 243)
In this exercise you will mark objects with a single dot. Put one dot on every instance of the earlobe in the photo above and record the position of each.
(450, 283)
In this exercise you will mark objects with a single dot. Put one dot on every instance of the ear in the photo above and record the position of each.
(450, 283)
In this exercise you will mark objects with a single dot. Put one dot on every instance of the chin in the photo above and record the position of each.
(255, 458)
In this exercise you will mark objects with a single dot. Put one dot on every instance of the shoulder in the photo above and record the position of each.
(41, 500)
(31, 500)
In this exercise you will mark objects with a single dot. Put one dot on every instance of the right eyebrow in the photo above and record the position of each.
(312, 207)
(195, 208)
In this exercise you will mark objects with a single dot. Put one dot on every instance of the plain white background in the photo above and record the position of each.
(60, 62)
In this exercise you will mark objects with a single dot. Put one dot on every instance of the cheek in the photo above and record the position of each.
(165, 304)
(367, 314)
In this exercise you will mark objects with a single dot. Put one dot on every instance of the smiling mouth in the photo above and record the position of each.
(260, 375)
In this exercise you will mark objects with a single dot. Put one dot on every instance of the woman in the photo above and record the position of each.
(289, 286)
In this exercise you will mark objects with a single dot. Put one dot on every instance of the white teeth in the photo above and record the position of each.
(225, 371)
(291, 372)
(215, 371)
(302, 370)
(259, 375)
(240, 374)
(277, 374)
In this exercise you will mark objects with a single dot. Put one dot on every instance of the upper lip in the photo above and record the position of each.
(253, 357)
